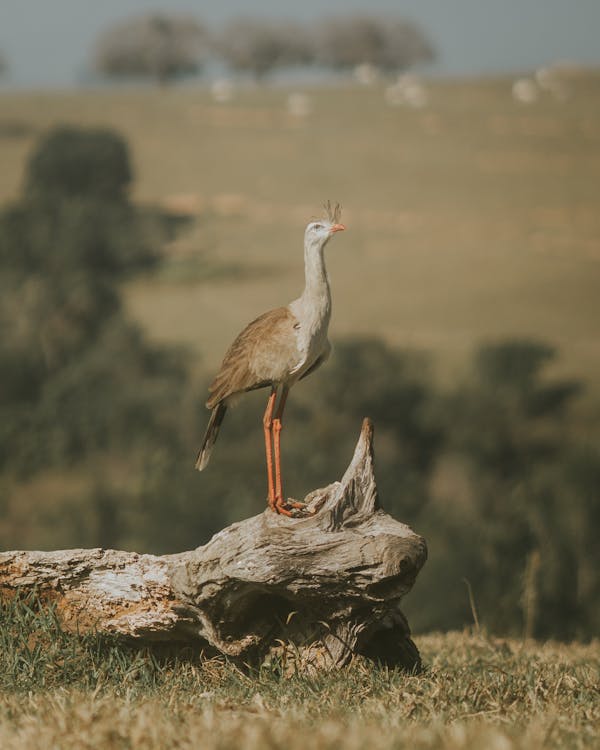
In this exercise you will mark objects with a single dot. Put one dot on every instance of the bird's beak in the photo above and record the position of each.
(337, 228)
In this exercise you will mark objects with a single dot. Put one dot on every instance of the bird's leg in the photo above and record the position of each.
(279, 502)
(281, 505)
(268, 425)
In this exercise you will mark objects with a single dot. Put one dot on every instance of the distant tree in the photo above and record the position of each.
(81, 386)
(76, 213)
(70, 162)
(259, 47)
(390, 45)
(157, 46)
(508, 419)
(3, 64)
(63, 249)
(510, 423)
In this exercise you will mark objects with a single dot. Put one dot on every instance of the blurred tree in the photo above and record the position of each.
(388, 44)
(79, 381)
(510, 423)
(70, 162)
(62, 249)
(510, 417)
(3, 64)
(75, 215)
(575, 486)
(258, 46)
(158, 46)
(561, 504)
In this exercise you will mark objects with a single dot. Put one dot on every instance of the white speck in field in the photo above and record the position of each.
(222, 90)
(299, 105)
(525, 91)
(366, 74)
(407, 90)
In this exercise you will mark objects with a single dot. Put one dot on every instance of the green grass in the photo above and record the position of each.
(57, 690)
(475, 218)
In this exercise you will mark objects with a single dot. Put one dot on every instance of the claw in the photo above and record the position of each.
(296, 504)
(291, 508)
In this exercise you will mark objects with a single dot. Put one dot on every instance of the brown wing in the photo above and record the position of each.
(265, 352)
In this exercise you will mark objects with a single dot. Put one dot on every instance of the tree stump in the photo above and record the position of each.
(330, 583)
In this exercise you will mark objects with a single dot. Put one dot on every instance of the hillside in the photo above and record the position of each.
(473, 218)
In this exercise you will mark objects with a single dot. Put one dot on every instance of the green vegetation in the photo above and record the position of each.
(62, 691)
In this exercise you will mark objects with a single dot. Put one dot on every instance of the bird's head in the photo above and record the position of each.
(319, 232)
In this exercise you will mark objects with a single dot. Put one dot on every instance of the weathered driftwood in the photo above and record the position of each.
(329, 583)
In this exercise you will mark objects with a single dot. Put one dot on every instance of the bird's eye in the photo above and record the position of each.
(318, 226)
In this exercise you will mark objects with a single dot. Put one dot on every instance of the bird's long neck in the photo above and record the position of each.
(316, 295)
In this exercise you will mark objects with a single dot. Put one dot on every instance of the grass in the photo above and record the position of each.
(472, 219)
(57, 690)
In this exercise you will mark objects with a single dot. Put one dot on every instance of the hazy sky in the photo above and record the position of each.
(47, 42)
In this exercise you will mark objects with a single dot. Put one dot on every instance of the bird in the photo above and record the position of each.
(276, 350)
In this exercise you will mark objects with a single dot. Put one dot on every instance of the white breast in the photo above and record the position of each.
(311, 332)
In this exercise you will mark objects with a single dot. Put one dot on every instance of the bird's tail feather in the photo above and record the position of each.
(210, 435)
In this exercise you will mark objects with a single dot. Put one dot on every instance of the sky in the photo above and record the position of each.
(47, 43)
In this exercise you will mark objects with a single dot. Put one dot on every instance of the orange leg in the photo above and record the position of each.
(267, 426)
(281, 504)
(279, 501)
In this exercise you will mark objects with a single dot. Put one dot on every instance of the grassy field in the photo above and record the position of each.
(476, 692)
(471, 219)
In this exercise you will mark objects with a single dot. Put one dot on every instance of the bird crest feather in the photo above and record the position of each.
(334, 211)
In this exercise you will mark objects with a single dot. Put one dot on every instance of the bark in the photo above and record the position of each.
(330, 584)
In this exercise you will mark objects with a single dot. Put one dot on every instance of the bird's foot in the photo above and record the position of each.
(290, 508)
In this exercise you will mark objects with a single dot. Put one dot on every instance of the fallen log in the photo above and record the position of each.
(330, 583)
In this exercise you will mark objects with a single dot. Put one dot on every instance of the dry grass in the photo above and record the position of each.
(475, 218)
(60, 691)
(476, 693)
